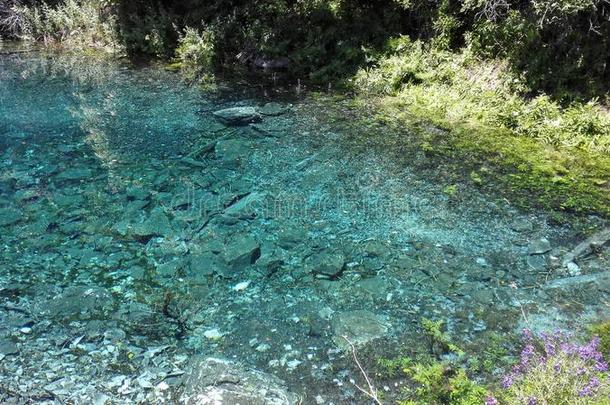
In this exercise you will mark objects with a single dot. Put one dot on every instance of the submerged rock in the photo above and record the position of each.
(359, 327)
(215, 381)
(273, 109)
(539, 247)
(238, 115)
(327, 265)
(9, 216)
(157, 224)
(242, 252)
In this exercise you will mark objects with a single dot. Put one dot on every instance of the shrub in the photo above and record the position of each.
(439, 383)
(555, 370)
(77, 22)
(196, 49)
(196, 55)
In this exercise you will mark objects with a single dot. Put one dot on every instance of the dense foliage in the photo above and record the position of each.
(560, 47)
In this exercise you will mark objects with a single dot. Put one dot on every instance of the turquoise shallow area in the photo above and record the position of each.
(137, 230)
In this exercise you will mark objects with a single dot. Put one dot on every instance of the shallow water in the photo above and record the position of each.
(124, 253)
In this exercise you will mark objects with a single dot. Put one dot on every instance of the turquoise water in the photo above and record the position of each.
(139, 230)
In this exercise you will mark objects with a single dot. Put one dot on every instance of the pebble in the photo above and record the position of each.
(241, 286)
(212, 334)
(573, 269)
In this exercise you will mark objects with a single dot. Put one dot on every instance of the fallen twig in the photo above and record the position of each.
(372, 391)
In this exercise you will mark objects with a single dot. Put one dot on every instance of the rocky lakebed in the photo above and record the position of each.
(162, 244)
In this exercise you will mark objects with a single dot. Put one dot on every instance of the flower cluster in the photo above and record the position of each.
(555, 363)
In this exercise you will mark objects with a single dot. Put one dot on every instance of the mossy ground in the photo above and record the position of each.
(527, 172)
(473, 117)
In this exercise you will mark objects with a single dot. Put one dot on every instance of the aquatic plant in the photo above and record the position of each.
(555, 369)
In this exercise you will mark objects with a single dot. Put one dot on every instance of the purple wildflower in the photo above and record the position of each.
(491, 401)
(507, 381)
(532, 401)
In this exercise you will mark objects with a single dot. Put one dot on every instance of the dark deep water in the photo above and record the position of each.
(123, 253)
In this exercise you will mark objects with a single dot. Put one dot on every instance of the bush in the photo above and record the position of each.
(196, 54)
(79, 23)
(555, 370)
(438, 383)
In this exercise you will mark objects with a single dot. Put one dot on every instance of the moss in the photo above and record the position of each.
(467, 116)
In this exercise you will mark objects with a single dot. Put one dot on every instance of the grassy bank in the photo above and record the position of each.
(533, 150)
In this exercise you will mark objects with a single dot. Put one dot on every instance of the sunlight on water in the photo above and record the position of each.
(138, 229)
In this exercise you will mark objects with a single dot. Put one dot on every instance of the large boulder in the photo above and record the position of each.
(238, 115)
(213, 381)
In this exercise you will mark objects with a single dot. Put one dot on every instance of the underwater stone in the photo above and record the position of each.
(327, 265)
(75, 174)
(273, 109)
(232, 151)
(240, 253)
(218, 381)
(238, 115)
(9, 216)
(359, 327)
(157, 224)
(203, 265)
(539, 247)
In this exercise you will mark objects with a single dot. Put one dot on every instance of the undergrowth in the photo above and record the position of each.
(76, 23)
(540, 152)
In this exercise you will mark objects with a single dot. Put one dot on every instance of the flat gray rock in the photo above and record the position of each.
(359, 327)
(539, 247)
(273, 109)
(238, 115)
(213, 381)
(240, 253)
